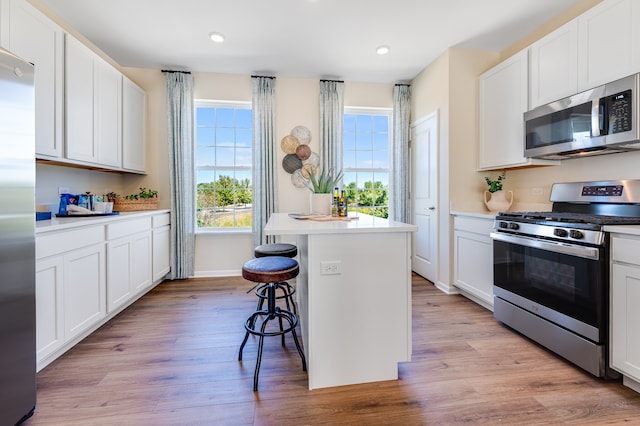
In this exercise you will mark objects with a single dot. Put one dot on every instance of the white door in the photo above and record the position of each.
(424, 198)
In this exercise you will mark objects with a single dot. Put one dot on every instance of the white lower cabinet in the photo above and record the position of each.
(129, 260)
(625, 312)
(84, 289)
(49, 303)
(473, 259)
(86, 274)
(161, 246)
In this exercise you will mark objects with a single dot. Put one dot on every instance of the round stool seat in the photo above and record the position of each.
(277, 249)
(271, 269)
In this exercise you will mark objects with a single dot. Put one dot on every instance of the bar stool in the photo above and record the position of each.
(270, 271)
(277, 249)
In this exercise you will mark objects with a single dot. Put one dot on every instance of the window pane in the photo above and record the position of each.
(363, 123)
(225, 156)
(205, 116)
(205, 156)
(349, 123)
(363, 140)
(225, 137)
(364, 159)
(380, 141)
(381, 177)
(349, 161)
(243, 157)
(349, 140)
(244, 119)
(380, 123)
(225, 117)
(205, 136)
(244, 138)
(380, 159)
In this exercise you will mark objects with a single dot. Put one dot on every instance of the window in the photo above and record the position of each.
(224, 161)
(366, 163)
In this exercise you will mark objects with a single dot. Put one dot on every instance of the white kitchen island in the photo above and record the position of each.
(354, 296)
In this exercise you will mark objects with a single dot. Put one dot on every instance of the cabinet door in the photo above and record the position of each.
(133, 122)
(609, 42)
(161, 252)
(49, 303)
(503, 101)
(119, 255)
(37, 39)
(84, 289)
(79, 113)
(625, 317)
(141, 261)
(553, 65)
(108, 108)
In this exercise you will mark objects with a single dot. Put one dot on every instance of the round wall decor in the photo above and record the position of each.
(289, 144)
(302, 133)
(303, 151)
(291, 163)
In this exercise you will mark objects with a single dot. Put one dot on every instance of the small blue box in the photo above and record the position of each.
(43, 215)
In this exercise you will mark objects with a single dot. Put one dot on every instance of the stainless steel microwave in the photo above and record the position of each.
(602, 120)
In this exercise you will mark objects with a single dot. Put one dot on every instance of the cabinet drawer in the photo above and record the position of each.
(473, 224)
(161, 220)
(625, 249)
(128, 227)
(60, 242)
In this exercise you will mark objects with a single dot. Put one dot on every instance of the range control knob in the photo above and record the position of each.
(503, 225)
(578, 235)
(514, 225)
(559, 232)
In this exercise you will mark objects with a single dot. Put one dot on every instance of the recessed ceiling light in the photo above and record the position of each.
(382, 50)
(217, 37)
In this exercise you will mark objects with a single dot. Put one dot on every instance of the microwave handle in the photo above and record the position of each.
(596, 114)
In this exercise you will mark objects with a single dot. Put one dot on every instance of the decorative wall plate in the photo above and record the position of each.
(298, 180)
(302, 133)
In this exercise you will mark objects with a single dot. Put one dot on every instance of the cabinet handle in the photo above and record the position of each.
(432, 208)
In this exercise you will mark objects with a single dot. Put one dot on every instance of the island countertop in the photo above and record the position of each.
(283, 224)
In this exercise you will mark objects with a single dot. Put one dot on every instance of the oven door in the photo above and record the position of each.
(563, 283)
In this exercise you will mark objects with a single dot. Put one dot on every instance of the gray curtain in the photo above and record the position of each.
(331, 123)
(265, 200)
(180, 131)
(401, 136)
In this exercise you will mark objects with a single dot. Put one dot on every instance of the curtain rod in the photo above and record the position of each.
(335, 81)
(178, 71)
(403, 84)
(263, 76)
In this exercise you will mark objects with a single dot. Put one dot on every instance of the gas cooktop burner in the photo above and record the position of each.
(569, 217)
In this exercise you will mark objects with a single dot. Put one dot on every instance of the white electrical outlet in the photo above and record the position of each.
(537, 191)
(63, 190)
(330, 267)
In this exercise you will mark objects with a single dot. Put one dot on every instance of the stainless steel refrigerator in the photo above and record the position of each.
(17, 241)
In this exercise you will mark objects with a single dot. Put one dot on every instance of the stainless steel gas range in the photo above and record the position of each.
(551, 269)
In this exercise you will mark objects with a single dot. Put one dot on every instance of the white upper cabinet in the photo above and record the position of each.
(34, 37)
(93, 108)
(608, 42)
(133, 124)
(553, 66)
(108, 110)
(503, 101)
(79, 102)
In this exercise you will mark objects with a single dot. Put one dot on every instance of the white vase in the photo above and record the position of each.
(497, 201)
(320, 203)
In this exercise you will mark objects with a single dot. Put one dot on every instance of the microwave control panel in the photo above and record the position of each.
(619, 112)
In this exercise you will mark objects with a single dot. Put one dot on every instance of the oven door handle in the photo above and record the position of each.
(571, 250)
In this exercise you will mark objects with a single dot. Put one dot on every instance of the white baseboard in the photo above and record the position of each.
(221, 273)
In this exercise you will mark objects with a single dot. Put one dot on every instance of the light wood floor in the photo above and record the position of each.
(171, 359)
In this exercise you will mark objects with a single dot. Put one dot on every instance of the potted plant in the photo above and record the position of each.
(494, 196)
(146, 199)
(321, 188)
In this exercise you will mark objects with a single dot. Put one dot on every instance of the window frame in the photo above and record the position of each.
(388, 112)
(218, 104)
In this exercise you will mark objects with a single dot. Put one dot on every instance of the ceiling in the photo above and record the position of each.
(300, 38)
